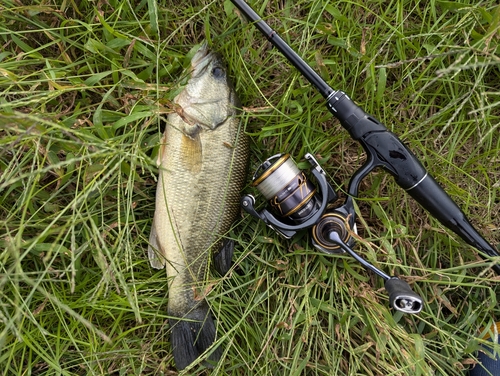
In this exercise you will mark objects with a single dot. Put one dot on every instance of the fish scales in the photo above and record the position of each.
(202, 163)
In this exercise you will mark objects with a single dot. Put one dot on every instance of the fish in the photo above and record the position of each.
(202, 162)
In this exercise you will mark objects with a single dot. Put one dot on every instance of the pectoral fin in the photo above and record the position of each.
(192, 153)
(155, 253)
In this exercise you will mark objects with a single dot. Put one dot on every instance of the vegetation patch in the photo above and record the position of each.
(86, 87)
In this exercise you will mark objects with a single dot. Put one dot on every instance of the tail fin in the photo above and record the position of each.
(192, 335)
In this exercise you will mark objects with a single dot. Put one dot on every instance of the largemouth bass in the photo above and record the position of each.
(202, 162)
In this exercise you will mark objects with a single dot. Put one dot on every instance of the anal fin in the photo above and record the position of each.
(223, 259)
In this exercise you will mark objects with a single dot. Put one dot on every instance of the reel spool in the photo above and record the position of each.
(287, 189)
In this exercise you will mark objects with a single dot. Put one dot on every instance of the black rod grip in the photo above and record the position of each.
(389, 152)
(386, 148)
(436, 201)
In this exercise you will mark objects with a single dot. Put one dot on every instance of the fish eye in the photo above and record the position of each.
(218, 72)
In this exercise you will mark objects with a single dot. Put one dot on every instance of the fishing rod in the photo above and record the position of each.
(383, 148)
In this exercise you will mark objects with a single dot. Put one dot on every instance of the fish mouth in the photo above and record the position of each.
(201, 54)
(201, 60)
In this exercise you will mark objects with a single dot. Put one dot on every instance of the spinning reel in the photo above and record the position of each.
(297, 204)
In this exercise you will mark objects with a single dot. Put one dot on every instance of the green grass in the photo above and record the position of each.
(85, 86)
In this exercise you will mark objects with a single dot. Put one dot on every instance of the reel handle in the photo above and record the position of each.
(401, 296)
